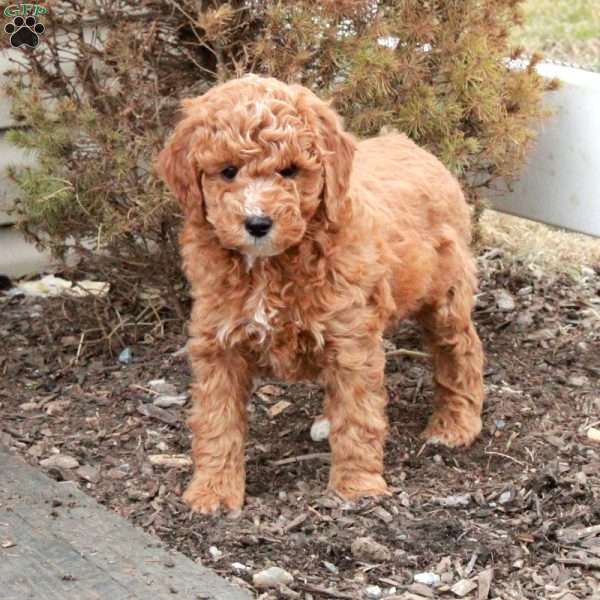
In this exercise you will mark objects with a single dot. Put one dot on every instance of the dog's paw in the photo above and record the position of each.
(207, 497)
(352, 485)
(452, 431)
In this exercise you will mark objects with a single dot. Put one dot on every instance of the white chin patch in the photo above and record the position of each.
(256, 247)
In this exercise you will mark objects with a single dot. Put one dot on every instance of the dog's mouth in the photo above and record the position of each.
(262, 246)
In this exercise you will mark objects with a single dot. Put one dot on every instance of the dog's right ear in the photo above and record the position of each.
(176, 167)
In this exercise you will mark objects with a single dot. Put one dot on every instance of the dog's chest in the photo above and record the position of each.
(262, 316)
(282, 337)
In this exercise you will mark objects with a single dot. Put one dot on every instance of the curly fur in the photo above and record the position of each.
(364, 234)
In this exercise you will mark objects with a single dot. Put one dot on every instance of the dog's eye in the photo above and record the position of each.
(289, 171)
(229, 172)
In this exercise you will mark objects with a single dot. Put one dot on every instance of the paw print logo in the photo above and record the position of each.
(24, 32)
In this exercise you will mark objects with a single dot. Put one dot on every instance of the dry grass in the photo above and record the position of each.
(565, 30)
(547, 248)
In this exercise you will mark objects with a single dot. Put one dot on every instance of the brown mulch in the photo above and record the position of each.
(520, 508)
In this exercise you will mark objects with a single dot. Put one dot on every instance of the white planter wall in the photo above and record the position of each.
(560, 184)
(9, 155)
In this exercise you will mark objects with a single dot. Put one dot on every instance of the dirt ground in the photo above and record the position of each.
(519, 511)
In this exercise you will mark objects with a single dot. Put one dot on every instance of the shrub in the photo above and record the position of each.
(99, 95)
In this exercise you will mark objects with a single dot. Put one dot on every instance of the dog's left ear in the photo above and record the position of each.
(176, 167)
(337, 148)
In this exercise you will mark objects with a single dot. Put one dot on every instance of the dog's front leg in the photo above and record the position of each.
(219, 425)
(355, 404)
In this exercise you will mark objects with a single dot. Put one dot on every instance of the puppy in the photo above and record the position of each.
(302, 246)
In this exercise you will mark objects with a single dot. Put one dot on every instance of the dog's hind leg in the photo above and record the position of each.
(456, 351)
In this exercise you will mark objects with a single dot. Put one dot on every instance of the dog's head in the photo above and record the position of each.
(254, 158)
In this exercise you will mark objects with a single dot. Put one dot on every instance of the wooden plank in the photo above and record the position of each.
(68, 547)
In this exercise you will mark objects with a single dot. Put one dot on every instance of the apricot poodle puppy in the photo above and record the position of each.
(302, 246)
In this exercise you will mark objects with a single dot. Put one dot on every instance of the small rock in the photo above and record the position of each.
(88, 473)
(319, 431)
(8, 544)
(373, 591)
(593, 434)
(505, 497)
(161, 386)
(366, 548)
(524, 319)
(215, 553)
(404, 499)
(29, 406)
(504, 300)
(454, 501)
(165, 401)
(427, 578)
(500, 423)
(588, 271)
(57, 407)
(330, 567)
(272, 577)
(577, 380)
(239, 567)
(61, 461)
(125, 356)
(463, 587)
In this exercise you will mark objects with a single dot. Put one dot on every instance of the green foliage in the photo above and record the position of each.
(99, 100)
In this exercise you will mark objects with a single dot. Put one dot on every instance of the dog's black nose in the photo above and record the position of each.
(258, 226)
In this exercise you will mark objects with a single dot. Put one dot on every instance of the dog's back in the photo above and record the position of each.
(409, 186)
